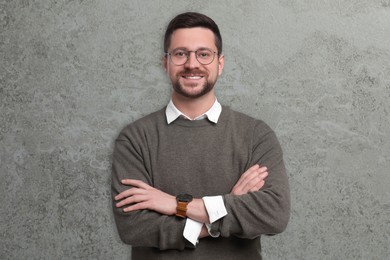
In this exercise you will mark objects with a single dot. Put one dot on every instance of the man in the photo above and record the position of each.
(189, 181)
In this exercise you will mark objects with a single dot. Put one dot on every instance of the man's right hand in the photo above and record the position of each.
(251, 180)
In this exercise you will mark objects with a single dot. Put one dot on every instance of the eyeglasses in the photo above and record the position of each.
(180, 56)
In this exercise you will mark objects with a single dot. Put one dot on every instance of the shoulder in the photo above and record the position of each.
(245, 121)
(262, 136)
(143, 125)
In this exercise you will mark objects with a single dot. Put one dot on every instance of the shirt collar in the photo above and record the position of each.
(172, 113)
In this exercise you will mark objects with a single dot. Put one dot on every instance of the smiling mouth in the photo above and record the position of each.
(192, 77)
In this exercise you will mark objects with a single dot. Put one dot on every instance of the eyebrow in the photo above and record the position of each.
(186, 49)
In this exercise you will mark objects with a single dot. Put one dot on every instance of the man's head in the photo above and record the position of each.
(193, 58)
(192, 20)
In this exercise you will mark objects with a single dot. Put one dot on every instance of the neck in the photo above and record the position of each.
(193, 107)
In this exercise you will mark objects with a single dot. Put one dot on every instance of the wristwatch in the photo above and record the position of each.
(182, 202)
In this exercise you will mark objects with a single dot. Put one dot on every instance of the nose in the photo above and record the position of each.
(191, 62)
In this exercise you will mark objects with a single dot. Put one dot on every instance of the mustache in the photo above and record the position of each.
(194, 71)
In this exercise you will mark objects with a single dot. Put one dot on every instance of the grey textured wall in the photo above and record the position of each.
(73, 73)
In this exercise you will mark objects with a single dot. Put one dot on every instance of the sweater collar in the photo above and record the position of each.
(172, 113)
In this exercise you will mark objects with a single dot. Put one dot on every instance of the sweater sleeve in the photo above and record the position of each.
(266, 211)
(143, 227)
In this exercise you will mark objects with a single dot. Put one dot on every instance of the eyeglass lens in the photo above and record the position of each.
(204, 56)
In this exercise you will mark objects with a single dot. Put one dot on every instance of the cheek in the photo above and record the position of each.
(171, 72)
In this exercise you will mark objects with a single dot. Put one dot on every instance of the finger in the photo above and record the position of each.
(137, 206)
(258, 186)
(135, 183)
(263, 169)
(129, 192)
(131, 200)
(263, 175)
(250, 171)
(251, 178)
(242, 184)
(256, 179)
(249, 184)
(253, 172)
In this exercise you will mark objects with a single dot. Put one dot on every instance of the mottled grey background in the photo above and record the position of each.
(73, 73)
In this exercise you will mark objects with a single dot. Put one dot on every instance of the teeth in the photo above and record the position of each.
(192, 77)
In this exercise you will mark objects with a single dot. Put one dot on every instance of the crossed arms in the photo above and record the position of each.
(145, 197)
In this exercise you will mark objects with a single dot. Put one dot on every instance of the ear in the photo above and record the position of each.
(165, 62)
(221, 62)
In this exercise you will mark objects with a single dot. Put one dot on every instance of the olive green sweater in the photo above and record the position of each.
(203, 159)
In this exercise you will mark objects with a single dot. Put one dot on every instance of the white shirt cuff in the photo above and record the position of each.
(214, 234)
(215, 207)
(192, 230)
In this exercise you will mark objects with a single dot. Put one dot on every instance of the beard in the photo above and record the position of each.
(205, 88)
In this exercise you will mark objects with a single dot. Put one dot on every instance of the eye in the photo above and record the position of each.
(204, 54)
(180, 53)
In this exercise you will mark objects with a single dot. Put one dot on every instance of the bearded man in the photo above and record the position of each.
(197, 180)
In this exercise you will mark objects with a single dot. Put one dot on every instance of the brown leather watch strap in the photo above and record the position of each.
(181, 209)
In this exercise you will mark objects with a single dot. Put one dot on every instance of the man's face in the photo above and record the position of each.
(192, 79)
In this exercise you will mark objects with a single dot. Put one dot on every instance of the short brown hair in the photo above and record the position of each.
(191, 20)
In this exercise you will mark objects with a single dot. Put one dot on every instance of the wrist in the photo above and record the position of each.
(204, 232)
(182, 201)
(196, 210)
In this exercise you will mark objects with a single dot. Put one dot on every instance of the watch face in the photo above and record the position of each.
(184, 197)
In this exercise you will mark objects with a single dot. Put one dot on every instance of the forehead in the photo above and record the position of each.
(193, 38)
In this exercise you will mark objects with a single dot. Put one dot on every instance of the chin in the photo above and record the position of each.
(192, 94)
